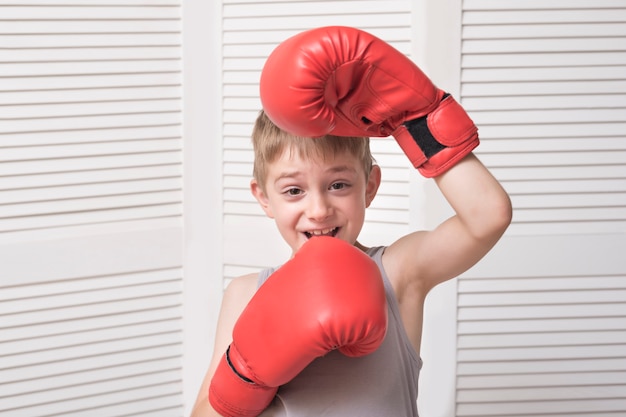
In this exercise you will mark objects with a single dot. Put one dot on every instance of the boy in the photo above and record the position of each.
(329, 89)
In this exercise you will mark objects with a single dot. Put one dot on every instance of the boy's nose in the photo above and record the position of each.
(318, 208)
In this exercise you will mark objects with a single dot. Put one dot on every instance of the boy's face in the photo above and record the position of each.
(309, 197)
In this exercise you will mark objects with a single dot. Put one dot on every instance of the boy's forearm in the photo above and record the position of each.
(204, 409)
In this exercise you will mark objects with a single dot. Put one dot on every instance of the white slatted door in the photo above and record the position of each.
(542, 329)
(251, 30)
(90, 208)
(541, 321)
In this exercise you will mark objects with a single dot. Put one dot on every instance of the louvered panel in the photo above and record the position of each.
(133, 10)
(234, 182)
(38, 320)
(90, 165)
(92, 323)
(541, 327)
(592, 408)
(95, 389)
(128, 370)
(104, 3)
(88, 82)
(539, 5)
(29, 111)
(547, 311)
(88, 54)
(561, 13)
(338, 8)
(563, 366)
(536, 45)
(240, 169)
(573, 30)
(109, 215)
(80, 331)
(547, 325)
(545, 144)
(105, 25)
(86, 68)
(92, 336)
(550, 80)
(48, 366)
(528, 339)
(543, 298)
(544, 74)
(104, 121)
(548, 380)
(520, 60)
(88, 40)
(122, 95)
(43, 137)
(542, 173)
(89, 190)
(536, 284)
(595, 158)
(524, 89)
(80, 72)
(159, 396)
(254, 56)
(87, 150)
(555, 393)
(64, 305)
(325, 17)
(94, 351)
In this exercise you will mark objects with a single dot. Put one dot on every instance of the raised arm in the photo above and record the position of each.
(347, 82)
(482, 214)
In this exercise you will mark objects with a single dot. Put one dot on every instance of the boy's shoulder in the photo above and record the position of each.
(242, 287)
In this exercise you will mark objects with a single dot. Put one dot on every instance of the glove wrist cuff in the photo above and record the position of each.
(435, 142)
(232, 395)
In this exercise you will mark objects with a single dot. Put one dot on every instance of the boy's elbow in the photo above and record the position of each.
(500, 216)
(490, 220)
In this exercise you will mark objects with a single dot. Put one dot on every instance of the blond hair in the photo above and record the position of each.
(269, 143)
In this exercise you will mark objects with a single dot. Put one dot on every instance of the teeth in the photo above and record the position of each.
(322, 232)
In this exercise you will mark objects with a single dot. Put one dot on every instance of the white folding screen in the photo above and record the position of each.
(542, 322)
(545, 82)
(90, 208)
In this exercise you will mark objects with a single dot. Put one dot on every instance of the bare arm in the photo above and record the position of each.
(421, 260)
(236, 297)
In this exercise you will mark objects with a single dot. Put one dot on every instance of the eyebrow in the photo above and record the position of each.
(342, 168)
(333, 170)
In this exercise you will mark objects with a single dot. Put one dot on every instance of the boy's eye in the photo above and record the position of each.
(293, 191)
(338, 186)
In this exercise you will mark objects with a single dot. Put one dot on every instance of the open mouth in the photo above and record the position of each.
(322, 232)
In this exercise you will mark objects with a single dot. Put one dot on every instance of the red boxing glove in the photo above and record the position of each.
(346, 82)
(330, 295)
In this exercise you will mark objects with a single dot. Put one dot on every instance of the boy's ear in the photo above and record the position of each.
(261, 197)
(373, 182)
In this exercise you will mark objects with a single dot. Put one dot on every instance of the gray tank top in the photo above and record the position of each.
(381, 384)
